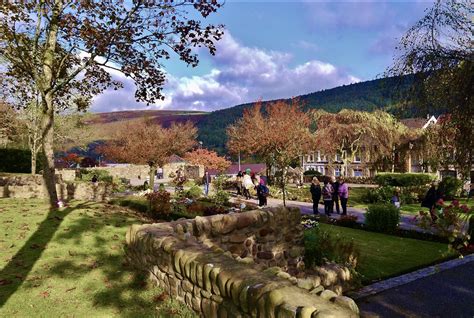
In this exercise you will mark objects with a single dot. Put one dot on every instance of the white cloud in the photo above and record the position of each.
(241, 74)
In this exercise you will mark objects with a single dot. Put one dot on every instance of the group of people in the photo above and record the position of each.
(247, 180)
(332, 192)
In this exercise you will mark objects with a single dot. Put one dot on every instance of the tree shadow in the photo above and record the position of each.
(21, 264)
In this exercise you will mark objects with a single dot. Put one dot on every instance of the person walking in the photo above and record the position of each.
(315, 190)
(343, 192)
(247, 184)
(431, 197)
(206, 180)
(327, 193)
(262, 193)
(239, 183)
(335, 195)
(395, 200)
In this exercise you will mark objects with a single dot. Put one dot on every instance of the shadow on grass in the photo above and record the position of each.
(21, 264)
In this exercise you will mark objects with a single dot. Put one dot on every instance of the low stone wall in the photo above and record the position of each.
(226, 265)
(29, 186)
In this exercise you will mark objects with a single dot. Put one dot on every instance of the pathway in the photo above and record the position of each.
(307, 208)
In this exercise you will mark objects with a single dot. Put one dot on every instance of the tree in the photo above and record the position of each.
(207, 158)
(438, 50)
(280, 134)
(8, 124)
(144, 142)
(64, 48)
(349, 133)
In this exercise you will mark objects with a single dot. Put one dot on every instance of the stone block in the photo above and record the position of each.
(237, 238)
(328, 294)
(347, 302)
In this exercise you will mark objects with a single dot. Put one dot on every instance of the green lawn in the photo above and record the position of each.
(383, 256)
(71, 264)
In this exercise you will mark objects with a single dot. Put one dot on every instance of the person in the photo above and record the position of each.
(239, 183)
(343, 192)
(206, 181)
(395, 200)
(262, 193)
(159, 173)
(315, 190)
(431, 197)
(247, 183)
(327, 193)
(335, 195)
(94, 179)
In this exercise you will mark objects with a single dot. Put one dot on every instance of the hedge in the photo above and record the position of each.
(404, 179)
(18, 160)
(382, 217)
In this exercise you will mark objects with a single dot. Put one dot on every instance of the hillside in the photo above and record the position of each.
(383, 94)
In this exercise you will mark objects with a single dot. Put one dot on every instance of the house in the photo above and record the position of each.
(234, 168)
(408, 160)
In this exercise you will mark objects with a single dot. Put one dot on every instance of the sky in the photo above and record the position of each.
(279, 49)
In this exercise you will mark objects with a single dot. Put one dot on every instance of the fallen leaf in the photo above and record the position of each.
(44, 294)
(161, 297)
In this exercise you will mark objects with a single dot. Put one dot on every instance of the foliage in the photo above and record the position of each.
(451, 222)
(160, 205)
(360, 180)
(408, 195)
(279, 134)
(313, 173)
(18, 160)
(88, 174)
(438, 50)
(321, 247)
(214, 210)
(450, 187)
(404, 179)
(382, 218)
(9, 124)
(207, 158)
(194, 192)
(220, 198)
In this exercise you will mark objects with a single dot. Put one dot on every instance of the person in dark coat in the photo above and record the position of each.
(431, 197)
(335, 195)
(315, 194)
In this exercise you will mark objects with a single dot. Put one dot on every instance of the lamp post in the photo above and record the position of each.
(200, 144)
(239, 162)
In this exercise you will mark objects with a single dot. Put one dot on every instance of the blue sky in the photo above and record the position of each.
(275, 49)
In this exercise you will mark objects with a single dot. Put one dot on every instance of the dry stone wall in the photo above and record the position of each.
(234, 265)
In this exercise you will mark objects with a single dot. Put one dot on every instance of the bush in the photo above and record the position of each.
(159, 203)
(87, 174)
(195, 192)
(312, 173)
(360, 180)
(347, 221)
(450, 187)
(321, 247)
(221, 198)
(382, 217)
(408, 195)
(404, 179)
(19, 160)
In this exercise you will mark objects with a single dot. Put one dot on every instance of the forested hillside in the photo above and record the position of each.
(376, 94)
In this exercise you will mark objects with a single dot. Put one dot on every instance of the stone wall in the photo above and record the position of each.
(29, 186)
(127, 171)
(226, 265)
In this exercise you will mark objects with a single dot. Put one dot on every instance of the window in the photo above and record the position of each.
(321, 170)
(318, 156)
(357, 157)
(358, 173)
(311, 158)
(337, 172)
(338, 157)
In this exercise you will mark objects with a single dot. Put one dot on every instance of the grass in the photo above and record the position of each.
(70, 263)
(383, 256)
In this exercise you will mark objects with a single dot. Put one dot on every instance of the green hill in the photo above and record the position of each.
(386, 94)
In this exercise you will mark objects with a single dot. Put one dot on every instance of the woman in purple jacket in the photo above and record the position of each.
(343, 192)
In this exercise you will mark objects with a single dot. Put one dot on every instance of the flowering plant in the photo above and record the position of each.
(308, 222)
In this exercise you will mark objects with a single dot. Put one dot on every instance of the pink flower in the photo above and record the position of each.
(455, 203)
(440, 202)
(465, 208)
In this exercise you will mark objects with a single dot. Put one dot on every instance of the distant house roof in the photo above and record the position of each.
(234, 168)
(175, 159)
(419, 123)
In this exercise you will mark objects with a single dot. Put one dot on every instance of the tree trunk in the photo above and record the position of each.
(47, 128)
(283, 182)
(33, 161)
(152, 177)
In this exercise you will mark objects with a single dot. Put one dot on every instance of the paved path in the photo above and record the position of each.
(307, 208)
(449, 293)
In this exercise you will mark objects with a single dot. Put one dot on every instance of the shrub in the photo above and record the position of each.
(360, 180)
(221, 198)
(195, 192)
(450, 187)
(403, 179)
(347, 221)
(312, 173)
(382, 217)
(321, 247)
(19, 160)
(213, 210)
(408, 195)
(159, 203)
(87, 174)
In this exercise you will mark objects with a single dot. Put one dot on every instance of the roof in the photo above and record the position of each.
(234, 168)
(175, 159)
(419, 123)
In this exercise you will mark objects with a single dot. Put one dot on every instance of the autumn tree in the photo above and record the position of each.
(280, 134)
(349, 133)
(64, 48)
(145, 142)
(8, 124)
(438, 50)
(207, 158)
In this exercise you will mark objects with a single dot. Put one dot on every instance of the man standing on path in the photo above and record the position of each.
(335, 195)
(343, 194)
(206, 181)
(315, 194)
